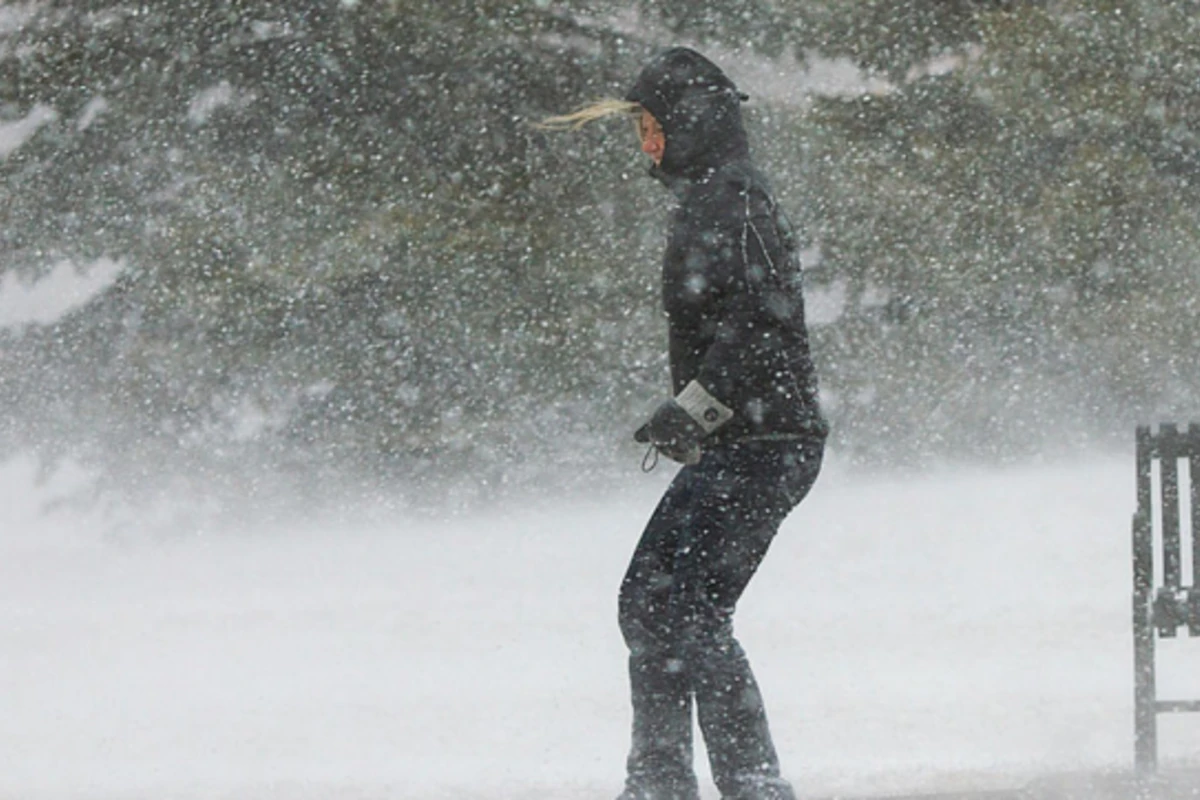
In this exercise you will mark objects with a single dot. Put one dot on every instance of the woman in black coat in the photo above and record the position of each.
(744, 421)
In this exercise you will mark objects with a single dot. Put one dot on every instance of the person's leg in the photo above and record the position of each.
(748, 491)
(660, 763)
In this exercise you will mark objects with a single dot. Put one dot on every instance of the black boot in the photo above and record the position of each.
(636, 789)
(659, 766)
(759, 788)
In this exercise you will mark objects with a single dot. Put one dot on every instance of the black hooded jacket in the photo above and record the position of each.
(731, 273)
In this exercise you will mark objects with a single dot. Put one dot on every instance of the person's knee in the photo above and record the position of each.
(644, 630)
(706, 639)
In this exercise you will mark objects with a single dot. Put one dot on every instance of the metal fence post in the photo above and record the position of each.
(1145, 717)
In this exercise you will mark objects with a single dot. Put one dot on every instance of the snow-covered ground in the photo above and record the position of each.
(964, 627)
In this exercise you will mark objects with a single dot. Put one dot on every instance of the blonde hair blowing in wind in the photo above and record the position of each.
(599, 109)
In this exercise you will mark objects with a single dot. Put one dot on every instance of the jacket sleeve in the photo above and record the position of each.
(758, 306)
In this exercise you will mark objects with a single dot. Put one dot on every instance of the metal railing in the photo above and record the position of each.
(1160, 611)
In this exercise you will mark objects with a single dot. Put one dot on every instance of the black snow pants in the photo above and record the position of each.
(701, 547)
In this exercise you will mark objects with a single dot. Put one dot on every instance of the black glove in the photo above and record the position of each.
(673, 431)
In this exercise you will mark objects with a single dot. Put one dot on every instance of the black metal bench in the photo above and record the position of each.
(1159, 612)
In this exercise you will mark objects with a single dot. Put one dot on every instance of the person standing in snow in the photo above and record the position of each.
(744, 421)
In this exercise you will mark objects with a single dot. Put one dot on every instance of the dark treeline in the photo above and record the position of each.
(349, 261)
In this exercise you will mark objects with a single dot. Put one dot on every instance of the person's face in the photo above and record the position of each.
(651, 135)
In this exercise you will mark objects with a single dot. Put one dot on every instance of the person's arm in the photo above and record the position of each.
(756, 310)
(748, 251)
